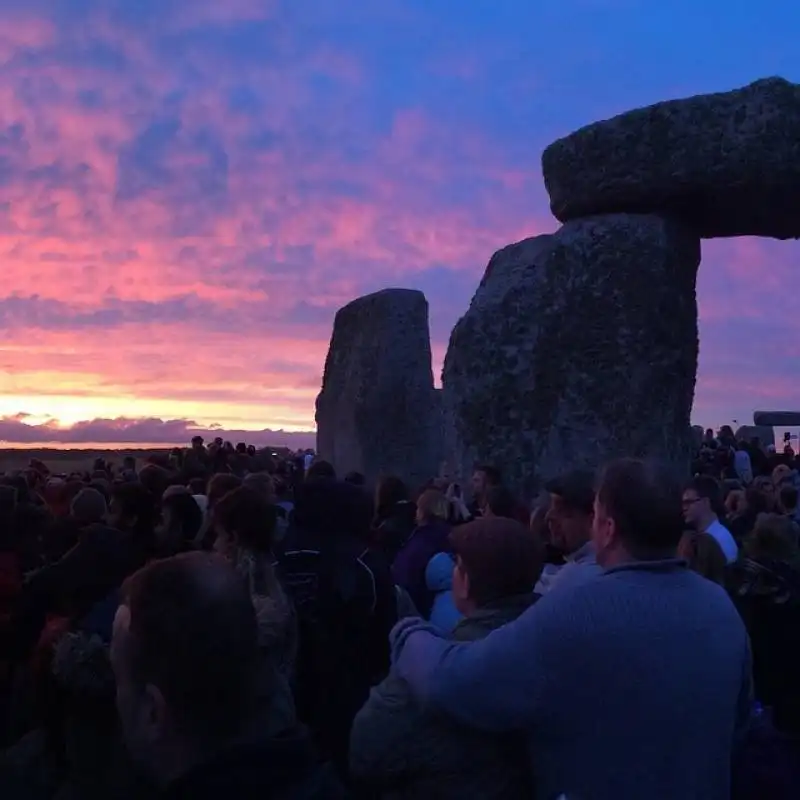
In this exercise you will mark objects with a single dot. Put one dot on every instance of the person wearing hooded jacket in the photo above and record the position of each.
(346, 605)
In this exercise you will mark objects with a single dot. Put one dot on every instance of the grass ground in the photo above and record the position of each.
(67, 460)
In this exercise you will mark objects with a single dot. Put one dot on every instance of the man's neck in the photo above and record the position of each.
(707, 521)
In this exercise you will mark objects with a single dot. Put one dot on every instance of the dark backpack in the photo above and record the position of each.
(335, 594)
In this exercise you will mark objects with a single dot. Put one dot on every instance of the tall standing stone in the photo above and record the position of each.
(578, 347)
(727, 163)
(378, 412)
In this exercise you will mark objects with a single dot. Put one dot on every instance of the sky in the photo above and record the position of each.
(189, 189)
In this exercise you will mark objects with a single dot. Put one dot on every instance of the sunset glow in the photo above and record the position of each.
(190, 189)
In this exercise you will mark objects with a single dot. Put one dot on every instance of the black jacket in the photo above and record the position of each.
(87, 574)
(346, 606)
(279, 768)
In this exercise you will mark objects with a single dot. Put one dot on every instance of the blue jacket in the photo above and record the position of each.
(635, 684)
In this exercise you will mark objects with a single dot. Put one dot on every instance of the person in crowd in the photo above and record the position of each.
(320, 470)
(704, 555)
(742, 464)
(782, 475)
(87, 577)
(395, 516)
(702, 504)
(89, 507)
(186, 659)
(484, 477)
(428, 538)
(787, 502)
(765, 586)
(155, 479)
(499, 502)
(459, 510)
(766, 486)
(356, 478)
(181, 521)
(346, 605)
(569, 521)
(398, 745)
(742, 519)
(134, 511)
(264, 484)
(62, 532)
(244, 523)
(558, 671)
(444, 614)
(218, 486)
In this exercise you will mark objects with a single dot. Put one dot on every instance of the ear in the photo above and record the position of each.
(460, 578)
(156, 711)
(606, 534)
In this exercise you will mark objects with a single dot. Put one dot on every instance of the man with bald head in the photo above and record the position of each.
(185, 657)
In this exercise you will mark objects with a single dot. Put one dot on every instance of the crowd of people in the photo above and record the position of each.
(240, 624)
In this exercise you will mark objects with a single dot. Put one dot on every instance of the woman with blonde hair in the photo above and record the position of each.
(428, 538)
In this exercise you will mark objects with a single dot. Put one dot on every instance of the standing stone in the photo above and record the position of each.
(378, 412)
(578, 347)
(728, 163)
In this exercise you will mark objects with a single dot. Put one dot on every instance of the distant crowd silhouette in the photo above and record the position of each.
(232, 623)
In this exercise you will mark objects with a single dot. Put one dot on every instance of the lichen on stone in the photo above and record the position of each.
(586, 352)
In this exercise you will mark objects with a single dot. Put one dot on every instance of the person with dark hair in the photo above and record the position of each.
(569, 519)
(84, 581)
(702, 508)
(765, 586)
(346, 605)
(321, 470)
(218, 486)
(244, 520)
(787, 502)
(562, 670)
(197, 486)
(155, 479)
(89, 507)
(134, 510)
(484, 478)
(500, 502)
(181, 520)
(245, 524)
(356, 478)
(428, 538)
(398, 744)
(704, 555)
(395, 516)
(186, 660)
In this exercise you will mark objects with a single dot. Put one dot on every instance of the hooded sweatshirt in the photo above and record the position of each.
(439, 579)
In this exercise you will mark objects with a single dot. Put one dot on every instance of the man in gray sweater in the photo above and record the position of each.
(633, 685)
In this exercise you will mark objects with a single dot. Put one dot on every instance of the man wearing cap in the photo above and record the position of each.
(569, 522)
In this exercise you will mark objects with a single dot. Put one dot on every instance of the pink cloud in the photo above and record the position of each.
(180, 218)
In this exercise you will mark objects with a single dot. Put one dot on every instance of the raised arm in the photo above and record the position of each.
(494, 684)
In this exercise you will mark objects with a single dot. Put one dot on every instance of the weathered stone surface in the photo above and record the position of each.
(578, 347)
(378, 412)
(726, 163)
(777, 419)
(764, 433)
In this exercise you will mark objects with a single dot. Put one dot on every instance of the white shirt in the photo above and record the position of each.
(724, 539)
